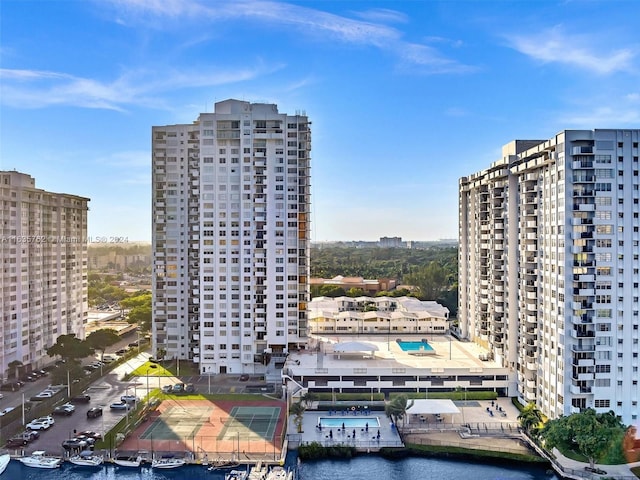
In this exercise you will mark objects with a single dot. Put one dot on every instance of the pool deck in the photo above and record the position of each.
(364, 440)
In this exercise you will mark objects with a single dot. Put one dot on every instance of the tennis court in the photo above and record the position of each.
(177, 423)
(252, 422)
(217, 430)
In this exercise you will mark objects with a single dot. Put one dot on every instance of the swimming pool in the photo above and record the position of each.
(413, 346)
(349, 422)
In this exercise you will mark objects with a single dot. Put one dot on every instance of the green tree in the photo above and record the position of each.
(396, 408)
(297, 410)
(430, 280)
(101, 339)
(531, 419)
(141, 315)
(308, 398)
(592, 434)
(355, 292)
(15, 366)
(137, 299)
(69, 347)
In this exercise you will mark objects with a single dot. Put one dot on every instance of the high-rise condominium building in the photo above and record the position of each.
(43, 282)
(231, 197)
(549, 269)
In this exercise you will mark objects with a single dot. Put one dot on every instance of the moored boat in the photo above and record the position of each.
(4, 462)
(258, 472)
(168, 462)
(279, 473)
(87, 459)
(128, 461)
(39, 459)
(237, 475)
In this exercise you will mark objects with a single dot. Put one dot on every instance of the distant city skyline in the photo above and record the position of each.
(406, 97)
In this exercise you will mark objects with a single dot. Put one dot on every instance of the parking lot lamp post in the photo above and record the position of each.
(23, 424)
(209, 378)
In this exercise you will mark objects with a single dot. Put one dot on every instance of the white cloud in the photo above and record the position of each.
(307, 21)
(37, 89)
(382, 15)
(604, 117)
(556, 46)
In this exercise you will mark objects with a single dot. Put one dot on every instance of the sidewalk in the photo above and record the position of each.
(616, 471)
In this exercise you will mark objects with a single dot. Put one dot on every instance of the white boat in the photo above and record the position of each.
(4, 462)
(168, 462)
(39, 459)
(236, 475)
(258, 472)
(279, 473)
(87, 459)
(128, 461)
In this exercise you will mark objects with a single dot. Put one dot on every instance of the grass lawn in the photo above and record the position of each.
(151, 369)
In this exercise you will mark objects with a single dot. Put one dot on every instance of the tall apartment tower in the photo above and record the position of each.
(43, 281)
(549, 269)
(231, 231)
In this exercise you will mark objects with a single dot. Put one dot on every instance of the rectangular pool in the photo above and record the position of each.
(421, 346)
(349, 422)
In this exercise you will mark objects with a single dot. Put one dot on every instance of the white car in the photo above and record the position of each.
(47, 418)
(38, 424)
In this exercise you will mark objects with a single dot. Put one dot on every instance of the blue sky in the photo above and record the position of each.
(405, 96)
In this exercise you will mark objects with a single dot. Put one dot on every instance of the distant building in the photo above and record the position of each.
(370, 315)
(43, 283)
(369, 287)
(231, 228)
(391, 242)
(549, 262)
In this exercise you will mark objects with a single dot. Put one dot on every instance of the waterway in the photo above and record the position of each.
(361, 468)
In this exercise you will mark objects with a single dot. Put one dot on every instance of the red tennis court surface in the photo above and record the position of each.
(213, 430)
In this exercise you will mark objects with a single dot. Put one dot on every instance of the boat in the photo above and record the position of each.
(39, 459)
(279, 473)
(221, 464)
(4, 462)
(87, 458)
(258, 472)
(168, 462)
(128, 460)
(237, 475)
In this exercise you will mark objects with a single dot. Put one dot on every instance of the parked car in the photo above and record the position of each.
(74, 443)
(178, 388)
(11, 386)
(88, 440)
(6, 410)
(47, 418)
(119, 406)
(17, 441)
(129, 398)
(190, 388)
(94, 412)
(66, 409)
(82, 398)
(122, 351)
(38, 425)
(29, 435)
(167, 389)
(91, 434)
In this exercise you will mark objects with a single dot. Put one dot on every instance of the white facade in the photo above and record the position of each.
(549, 269)
(370, 315)
(231, 198)
(43, 282)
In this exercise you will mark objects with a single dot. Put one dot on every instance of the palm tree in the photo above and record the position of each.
(297, 410)
(397, 408)
(530, 418)
(308, 398)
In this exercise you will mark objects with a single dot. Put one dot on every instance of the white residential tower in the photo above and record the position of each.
(549, 269)
(231, 198)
